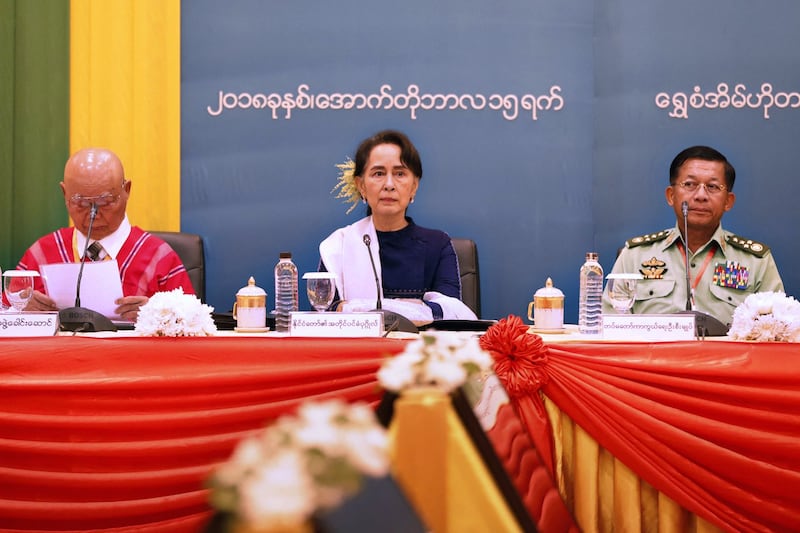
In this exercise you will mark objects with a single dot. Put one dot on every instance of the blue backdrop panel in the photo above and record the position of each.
(705, 50)
(263, 127)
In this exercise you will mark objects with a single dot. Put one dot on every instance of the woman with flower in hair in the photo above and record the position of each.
(417, 267)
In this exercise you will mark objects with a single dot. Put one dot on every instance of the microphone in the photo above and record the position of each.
(367, 242)
(685, 211)
(79, 318)
(391, 321)
(705, 325)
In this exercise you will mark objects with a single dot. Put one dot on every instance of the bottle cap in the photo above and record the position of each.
(286, 255)
(591, 256)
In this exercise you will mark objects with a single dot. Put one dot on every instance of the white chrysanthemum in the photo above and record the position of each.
(175, 314)
(438, 358)
(765, 317)
(368, 450)
(398, 372)
(319, 428)
(302, 463)
(446, 373)
(278, 493)
(247, 455)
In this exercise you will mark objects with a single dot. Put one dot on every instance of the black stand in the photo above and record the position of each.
(80, 319)
(396, 322)
(706, 325)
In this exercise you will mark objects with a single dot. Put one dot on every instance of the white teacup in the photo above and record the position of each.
(250, 317)
(250, 309)
(546, 311)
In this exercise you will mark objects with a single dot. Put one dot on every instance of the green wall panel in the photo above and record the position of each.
(34, 121)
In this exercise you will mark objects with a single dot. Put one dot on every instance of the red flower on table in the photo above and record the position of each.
(520, 358)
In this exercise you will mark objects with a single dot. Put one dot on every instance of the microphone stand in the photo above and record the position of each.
(705, 325)
(391, 321)
(689, 295)
(79, 318)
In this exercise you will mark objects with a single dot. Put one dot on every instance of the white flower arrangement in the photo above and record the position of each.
(301, 464)
(444, 360)
(175, 314)
(767, 316)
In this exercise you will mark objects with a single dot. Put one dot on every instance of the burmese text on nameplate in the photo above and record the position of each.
(28, 324)
(311, 324)
(649, 327)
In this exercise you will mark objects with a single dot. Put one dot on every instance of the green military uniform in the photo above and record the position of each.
(729, 267)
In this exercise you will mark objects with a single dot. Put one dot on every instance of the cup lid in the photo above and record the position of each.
(251, 289)
(20, 273)
(623, 275)
(548, 291)
(319, 275)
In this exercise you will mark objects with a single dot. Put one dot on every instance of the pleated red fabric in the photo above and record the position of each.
(120, 434)
(713, 425)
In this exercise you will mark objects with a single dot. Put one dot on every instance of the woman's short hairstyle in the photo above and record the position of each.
(408, 152)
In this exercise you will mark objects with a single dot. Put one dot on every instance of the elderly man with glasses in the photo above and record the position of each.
(724, 268)
(94, 181)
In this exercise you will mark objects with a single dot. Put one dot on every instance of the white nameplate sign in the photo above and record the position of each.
(330, 324)
(28, 324)
(649, 327)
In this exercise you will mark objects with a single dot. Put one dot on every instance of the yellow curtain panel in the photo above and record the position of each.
(606, 496)
(440, 469)
(125, 95)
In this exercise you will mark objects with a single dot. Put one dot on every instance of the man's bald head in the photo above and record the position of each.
(92, 173)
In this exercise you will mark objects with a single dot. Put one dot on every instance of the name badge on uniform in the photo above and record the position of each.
(732, 275)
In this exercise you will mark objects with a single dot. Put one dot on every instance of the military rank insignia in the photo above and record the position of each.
(731, 274)
(653, 268)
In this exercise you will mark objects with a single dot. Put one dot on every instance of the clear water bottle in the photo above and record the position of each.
(590, 304)
(285, 291)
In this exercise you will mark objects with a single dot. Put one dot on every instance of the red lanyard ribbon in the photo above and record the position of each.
(705, 264)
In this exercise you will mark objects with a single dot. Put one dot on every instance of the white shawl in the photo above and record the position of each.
(345, 255)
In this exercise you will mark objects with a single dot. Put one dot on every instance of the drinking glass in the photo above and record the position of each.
(622, 291)
(18, 286)
(320, 287)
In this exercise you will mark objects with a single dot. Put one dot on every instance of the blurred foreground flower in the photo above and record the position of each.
(301, 464)
(440, 359)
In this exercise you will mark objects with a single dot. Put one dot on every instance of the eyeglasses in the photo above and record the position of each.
(102, 200)
(711, 188)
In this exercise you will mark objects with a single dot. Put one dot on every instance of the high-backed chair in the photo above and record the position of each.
(189, 247)
(467, 253)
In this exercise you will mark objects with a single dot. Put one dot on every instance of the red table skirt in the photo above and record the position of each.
(119, 434)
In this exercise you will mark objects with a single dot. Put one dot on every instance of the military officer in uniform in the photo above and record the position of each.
(724, 268)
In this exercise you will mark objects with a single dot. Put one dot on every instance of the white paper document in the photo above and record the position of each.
(100, 285)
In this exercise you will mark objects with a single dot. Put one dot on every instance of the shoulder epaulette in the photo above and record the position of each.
(647, 238)
(748, 245)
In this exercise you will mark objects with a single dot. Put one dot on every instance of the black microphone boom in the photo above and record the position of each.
(705, 325)
(79, 318)
(391, 321)
(685, 211)
(367, 241)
